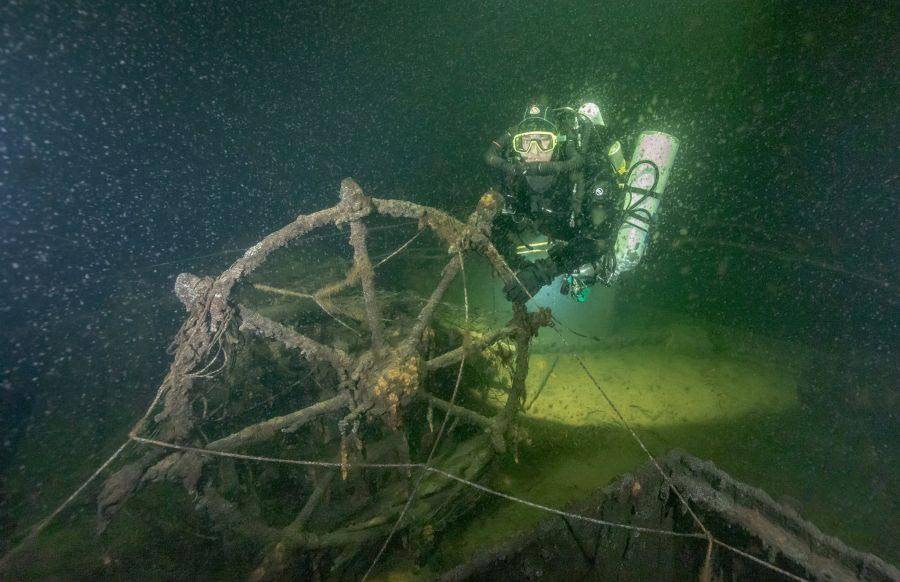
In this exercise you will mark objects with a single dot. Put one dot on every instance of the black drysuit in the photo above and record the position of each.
(556, 198)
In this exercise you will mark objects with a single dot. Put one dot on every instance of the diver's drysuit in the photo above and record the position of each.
(571, 199)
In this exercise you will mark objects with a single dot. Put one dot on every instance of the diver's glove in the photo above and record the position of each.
(530, 280)
(578, 284)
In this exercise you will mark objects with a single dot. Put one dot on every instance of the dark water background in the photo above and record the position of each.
(138, 141)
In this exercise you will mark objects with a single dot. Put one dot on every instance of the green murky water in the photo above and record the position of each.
(141, 141)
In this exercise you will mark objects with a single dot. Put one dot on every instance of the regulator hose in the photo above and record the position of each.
(633, 210)
(607, 263)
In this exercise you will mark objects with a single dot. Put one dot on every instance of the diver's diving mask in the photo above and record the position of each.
(544, 140)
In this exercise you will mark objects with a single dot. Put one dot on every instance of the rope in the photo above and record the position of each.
(399, 249)
(280, 460)
(313, 297)
(711, 539)
(321, 236)
(37, 529)
(759, 561)
(49, 519)
(640, 442)
(620, 416)
(420, 466)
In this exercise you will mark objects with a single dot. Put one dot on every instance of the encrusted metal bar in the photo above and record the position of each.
(352, 195)
(451, 269)
(459, 411)
(257, 254)
(469, 347)
(363, 267)
(269, 429)
(310, 348)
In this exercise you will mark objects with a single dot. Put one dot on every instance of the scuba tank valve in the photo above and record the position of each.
(592, 112)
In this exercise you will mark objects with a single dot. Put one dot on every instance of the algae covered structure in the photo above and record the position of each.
(369, 367)
(680, 383)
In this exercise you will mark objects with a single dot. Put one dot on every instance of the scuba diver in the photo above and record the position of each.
(564, 180)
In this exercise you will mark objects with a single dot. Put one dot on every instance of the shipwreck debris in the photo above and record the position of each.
(357, 417)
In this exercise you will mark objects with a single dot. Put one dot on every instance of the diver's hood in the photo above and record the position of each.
(536, 118)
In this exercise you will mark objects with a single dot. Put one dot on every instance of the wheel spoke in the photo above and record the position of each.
(424, 319)
(460, 411)
(363, 266)
(311, 349)
(479, 345)
(268, 429)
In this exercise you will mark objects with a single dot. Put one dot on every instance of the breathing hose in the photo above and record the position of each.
(607, 263)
